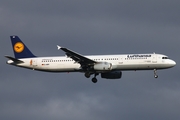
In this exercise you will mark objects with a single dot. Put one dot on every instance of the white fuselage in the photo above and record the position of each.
(119, 62)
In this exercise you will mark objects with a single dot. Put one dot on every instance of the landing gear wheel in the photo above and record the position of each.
(94, 80)
(87, 75)
(155, 73)
(156, 76)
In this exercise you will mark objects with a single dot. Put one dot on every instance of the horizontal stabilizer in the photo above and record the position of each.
(14, 59)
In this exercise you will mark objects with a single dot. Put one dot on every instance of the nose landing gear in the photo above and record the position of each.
(155, 73)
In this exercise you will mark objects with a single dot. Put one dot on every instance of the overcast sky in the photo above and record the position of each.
(90, 27)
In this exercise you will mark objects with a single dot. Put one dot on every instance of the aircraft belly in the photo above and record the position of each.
(139, 66)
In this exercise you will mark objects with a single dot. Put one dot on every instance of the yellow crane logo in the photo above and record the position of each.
(18, 47)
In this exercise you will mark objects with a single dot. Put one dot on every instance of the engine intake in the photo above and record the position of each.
(103, 66)
(112, 75)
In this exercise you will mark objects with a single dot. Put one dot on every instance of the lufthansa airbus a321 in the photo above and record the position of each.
(108, 66)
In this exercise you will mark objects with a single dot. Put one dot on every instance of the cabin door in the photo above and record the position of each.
(33, 63)
(154, 58)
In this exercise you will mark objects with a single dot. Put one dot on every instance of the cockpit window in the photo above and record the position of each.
(165, 58)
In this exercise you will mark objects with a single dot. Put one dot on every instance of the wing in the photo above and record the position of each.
(84, 61)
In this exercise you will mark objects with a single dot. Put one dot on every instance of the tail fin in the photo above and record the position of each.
(20, 49)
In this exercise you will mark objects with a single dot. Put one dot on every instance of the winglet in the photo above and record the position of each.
(59, 47)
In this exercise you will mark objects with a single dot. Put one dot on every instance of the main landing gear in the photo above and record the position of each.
(87, 75)
(94, 79)
(155, 73)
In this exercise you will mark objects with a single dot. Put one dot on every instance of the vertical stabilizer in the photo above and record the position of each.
(20, 49)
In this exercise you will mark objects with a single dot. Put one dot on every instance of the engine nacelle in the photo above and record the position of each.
(112, 75)
(103, 66)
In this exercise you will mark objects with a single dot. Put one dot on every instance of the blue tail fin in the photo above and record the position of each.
(20, 49)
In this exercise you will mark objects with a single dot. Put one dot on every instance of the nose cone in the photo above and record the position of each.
(172, 63)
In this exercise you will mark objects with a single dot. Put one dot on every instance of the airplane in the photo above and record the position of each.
(109, 66)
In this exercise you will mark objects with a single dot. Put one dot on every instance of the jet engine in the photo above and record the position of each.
(103, 66)
(112, 75)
